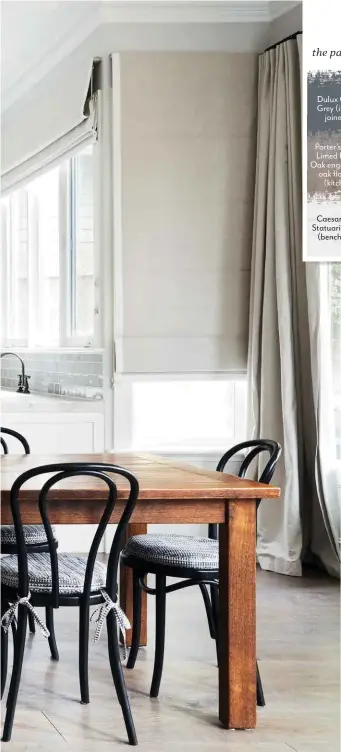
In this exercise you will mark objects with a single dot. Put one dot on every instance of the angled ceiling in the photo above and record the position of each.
(36, 35)
(32, 31)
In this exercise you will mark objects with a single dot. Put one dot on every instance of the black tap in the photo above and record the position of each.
(23, 379)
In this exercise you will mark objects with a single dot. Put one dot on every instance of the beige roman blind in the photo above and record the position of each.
(51, 123)
(187, 143)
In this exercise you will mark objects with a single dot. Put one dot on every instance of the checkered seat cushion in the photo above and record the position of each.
(34, 534)
(175, 550)
(71, 573)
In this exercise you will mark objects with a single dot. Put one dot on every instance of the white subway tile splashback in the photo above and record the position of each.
(70, 374)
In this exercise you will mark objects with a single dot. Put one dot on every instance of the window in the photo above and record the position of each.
(15, 268)
(48, 258)
(191, 415)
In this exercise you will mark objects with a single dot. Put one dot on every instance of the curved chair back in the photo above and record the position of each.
(61, 471)
(256, 446)
(16, 435)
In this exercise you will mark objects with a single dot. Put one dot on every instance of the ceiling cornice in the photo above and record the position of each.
(144, 12)
(278, 8)
(181, 11)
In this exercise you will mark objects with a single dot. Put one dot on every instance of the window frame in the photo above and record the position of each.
(66, 250)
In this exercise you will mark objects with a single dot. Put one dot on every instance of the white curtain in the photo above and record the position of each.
(283, 365)
(325, 533)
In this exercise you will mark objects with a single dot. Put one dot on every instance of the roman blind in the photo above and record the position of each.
(40, 135)
(187, 156)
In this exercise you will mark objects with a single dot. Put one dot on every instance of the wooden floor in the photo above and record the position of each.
(298, 651)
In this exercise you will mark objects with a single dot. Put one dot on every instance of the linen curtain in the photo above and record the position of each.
(325, 529)
(284, 365)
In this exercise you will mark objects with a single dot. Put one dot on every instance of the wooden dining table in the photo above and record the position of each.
(171, 492)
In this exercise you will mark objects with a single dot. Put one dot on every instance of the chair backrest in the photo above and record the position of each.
(16, 435)
(61, 471)
(256, 446)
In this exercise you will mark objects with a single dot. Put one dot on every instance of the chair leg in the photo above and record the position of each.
(260, 693)
(16, 673)
(215, 605)
(4, 648)
(4, 659)
(137, 606)
(52, 638)
(31, 623)
(215, 616)
(117, 675)
(84, 618)
(14, 627)
(160, 626)
(209, 612)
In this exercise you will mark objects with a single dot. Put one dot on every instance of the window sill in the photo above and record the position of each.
(61, 350)
(201, 451)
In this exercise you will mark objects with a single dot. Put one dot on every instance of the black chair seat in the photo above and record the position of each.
(186, 551)
(34, 535)
(71, 573)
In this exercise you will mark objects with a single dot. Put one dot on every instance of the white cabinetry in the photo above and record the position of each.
(61, 433)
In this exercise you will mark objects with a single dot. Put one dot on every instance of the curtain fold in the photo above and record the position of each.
(282, 360)
(326, 511)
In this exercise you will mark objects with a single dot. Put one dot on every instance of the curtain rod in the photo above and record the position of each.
(286, 39)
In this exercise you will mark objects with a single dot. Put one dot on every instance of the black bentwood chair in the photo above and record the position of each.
(35, 540)
(49, 579)
(195, 560)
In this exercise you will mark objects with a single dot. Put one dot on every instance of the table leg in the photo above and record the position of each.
(126, 588)
(237, 616)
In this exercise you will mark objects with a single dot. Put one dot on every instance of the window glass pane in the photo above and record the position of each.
(82, 261)
(188, 414)
(45, 208)
(18, 294)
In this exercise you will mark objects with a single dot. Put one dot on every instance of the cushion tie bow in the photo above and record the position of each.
(102, 612)
(9, 615)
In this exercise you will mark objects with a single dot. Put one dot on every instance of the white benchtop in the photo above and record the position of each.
(14, 402)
